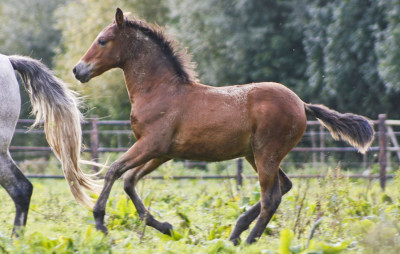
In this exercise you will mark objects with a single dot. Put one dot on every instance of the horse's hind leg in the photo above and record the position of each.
(250, 215)
(284, 181)
(18, 187)
(244, 222)
(130, 180)
(268, 176)
(11, 178)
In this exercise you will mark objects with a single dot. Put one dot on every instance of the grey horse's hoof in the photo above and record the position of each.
(102, 228)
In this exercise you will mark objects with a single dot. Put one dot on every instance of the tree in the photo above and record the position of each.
(389, 46)
(319, 16)
(27, 29)
(351, 60)
(236, 42)
(341, 41)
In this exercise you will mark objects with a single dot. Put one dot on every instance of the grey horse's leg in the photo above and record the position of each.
(130, 180)
(19, 188)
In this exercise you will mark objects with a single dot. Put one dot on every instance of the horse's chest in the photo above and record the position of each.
(146, 122)
(136, 125)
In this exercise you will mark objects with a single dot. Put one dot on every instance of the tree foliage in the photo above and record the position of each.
(388, 46)
(344, 54)
(27, 29)
(341, 41)
(329, 52)
(237, 42)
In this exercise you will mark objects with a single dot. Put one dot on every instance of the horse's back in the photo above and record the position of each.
(10, 105)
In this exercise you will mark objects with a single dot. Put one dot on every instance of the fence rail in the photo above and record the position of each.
(308, 176)
(385, 136)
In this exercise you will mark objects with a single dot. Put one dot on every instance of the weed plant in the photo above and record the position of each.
(331, 215)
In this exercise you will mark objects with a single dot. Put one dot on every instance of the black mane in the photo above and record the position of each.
(179, 60)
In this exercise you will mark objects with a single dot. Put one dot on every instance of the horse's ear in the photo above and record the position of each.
(119, 18)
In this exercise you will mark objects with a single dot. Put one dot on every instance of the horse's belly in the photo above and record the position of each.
(212, 146)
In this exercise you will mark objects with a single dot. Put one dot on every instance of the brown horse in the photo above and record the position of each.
(174, 116)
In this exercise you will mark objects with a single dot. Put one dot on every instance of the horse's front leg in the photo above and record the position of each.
(137, 155)
(130, 180)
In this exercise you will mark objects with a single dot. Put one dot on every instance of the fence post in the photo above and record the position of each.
(239, 171)
(313, 135)
(94, 141)
(322, 144)
(382, 149)
(314, 145)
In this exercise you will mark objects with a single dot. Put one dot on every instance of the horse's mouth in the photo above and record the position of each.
(82, 72)
(83, 79)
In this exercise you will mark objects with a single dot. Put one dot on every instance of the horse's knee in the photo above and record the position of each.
(22, 195)
(114, 172)
(98, 212)
(28, 189)
(286, 186)
(129, 183)
(243, 222)
(130, 179)
(270, 204)
(284, 182)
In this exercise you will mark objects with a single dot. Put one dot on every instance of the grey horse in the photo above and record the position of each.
(57, 107)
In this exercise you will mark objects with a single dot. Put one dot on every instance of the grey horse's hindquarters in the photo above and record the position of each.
(11, 178)
(10, 103)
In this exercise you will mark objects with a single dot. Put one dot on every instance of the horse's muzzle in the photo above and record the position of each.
(82, 72)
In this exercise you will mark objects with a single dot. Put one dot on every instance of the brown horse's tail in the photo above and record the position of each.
(57, 106)
(354, 129)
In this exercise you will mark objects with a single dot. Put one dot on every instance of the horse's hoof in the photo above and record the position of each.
(166, 228)
(102, 228)
(17, 232)
(251, 240)
(235, 241)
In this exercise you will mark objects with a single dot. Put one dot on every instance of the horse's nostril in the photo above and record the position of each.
(74, 70)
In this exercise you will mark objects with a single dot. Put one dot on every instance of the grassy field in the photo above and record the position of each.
(331, 215)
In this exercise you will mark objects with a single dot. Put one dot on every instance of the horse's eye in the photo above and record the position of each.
(102, 42)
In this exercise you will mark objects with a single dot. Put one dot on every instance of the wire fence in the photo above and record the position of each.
(314, 150)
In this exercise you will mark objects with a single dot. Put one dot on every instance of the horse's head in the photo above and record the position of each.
(105, 53)
(134, 45)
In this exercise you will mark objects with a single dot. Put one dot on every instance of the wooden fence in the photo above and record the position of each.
(384, 147)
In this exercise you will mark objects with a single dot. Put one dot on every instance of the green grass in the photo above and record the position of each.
(317, 216)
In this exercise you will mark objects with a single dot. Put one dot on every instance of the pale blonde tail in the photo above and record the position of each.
(57, 106)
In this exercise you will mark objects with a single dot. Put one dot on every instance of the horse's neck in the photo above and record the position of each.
(144, 79)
